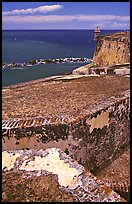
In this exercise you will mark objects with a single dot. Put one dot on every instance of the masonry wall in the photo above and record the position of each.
(112, 49)
(50, 176)
(95, 138)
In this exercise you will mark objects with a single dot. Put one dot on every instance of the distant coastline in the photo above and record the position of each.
(57, 44)
(46, 61)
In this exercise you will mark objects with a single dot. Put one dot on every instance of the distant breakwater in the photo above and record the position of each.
(46, 61)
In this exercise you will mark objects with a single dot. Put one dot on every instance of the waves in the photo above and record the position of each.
(46, 61)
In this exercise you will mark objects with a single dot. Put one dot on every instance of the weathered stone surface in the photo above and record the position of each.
(60, 98)
(112, 48)
(117, 175)
(29, 175)
(88, 118)
(84, 70)
(95, 137)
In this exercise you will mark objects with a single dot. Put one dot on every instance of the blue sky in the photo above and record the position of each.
(65, 15)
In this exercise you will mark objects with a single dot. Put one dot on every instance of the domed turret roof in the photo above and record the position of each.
(97, 29)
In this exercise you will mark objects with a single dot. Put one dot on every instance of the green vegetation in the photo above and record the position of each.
(94, 65)
(32, 62)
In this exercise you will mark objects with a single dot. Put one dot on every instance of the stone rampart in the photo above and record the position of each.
(50, 175)
(112, 49)
(94, 138)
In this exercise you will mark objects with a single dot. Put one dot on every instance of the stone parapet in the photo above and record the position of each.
(27, 172)
(94, 138)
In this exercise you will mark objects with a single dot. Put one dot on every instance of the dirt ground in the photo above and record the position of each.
(59, 97)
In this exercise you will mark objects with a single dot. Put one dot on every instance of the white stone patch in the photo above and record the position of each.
(127, 71)
(8, 159)
(52, 163)
(120, 71)
(99, 122)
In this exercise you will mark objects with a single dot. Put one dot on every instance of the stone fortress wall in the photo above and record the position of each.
(94, 138)
(111, 56)
(112, 49)
(51, 175)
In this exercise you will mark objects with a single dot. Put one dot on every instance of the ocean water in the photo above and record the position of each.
(26, 45)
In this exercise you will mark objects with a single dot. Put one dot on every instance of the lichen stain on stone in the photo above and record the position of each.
(99, 122)
(33, 143)
(52, 163)
(11, 144)
(8, 159)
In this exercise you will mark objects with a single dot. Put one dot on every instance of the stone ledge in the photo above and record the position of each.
(72, 178)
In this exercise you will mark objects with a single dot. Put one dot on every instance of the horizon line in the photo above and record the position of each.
(64, 29)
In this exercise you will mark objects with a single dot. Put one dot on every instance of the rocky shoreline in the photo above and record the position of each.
(46, 61)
